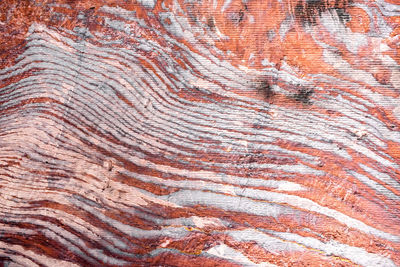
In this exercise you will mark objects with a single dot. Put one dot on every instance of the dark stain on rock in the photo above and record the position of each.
(238, 16)
(264, 87)
(241, 15)
(235, 17)
(303, 96)
(308, 11)
(211, 23)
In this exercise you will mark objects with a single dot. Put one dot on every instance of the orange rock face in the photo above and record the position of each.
(200, 133)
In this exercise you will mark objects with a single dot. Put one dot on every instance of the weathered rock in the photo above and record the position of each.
(200, 133)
